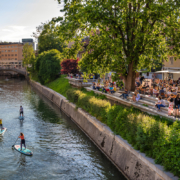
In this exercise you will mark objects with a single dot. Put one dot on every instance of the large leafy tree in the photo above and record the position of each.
(28, 56)
(47, 37)
(132, 33)
(48, 65)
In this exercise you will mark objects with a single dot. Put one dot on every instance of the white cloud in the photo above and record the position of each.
(6, 30)
(21, 21)
(15, 33)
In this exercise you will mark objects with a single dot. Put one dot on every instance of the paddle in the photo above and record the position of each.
(15, 142)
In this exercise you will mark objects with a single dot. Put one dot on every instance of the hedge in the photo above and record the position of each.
(157, 137)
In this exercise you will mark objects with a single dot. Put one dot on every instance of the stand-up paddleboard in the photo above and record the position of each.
(24, 151)
(3, 131)
(21, 117)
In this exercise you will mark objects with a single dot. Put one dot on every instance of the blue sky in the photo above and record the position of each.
(19, 18)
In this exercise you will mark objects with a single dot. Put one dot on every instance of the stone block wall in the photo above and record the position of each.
(133, 164)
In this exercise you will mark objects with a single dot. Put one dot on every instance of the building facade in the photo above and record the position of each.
(11, 55)
(171, 65)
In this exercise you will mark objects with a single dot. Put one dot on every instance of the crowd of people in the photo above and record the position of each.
(167, 91)
(107, 87)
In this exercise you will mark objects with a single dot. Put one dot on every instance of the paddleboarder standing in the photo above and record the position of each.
(22, 140)
(21, 111)
(1, 125)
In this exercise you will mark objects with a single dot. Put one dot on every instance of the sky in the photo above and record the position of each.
(19, 18)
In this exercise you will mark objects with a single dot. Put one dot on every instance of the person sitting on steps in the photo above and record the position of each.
(160, 103)
(94, 85)
(136, 96)
(125, 94)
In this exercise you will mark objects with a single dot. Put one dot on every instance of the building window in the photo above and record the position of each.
(2, 51)
(2, 47)
(171, 59)
(15, 46)
(15, 58)
(15, 54)
(15, 50)
(12, 54)
(2, 54)
(12, 46)
(9, 51)
(9, 46)
(5, 51)
(8, 54)
(12, 51)
(5, 54)
(9, 59)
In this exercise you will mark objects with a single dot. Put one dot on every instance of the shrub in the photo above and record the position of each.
(158, 137)
(69, 66)
(48, 65)
(96, 107)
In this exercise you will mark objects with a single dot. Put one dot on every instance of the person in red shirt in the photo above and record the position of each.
(22, 140)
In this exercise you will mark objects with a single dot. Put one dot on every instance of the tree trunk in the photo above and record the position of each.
(130, 78)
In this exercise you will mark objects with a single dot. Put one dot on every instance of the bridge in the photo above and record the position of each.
(21, 71)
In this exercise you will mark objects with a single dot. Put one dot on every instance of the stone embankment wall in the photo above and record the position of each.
(133, 164)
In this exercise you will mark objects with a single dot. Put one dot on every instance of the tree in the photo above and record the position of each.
(28, 56)
(69, 66)
(133, 33)
(47, 37)
(48, 65)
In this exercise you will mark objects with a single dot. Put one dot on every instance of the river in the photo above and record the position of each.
(60, 149)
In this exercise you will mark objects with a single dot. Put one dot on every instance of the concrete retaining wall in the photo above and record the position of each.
(133, 164)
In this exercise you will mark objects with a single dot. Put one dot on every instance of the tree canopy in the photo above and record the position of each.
(47, 37)
(131, 33)
(28, 55)
(48, 65)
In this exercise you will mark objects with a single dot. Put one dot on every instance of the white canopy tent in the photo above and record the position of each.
(168, 71)
(174, 74)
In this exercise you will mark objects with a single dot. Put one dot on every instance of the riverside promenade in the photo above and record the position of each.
(145, 104)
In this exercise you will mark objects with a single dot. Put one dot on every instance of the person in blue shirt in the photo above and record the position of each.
(111, 89)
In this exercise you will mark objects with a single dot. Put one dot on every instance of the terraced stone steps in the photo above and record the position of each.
(150, 101)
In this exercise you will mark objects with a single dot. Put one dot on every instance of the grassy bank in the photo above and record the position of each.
(61, 85)
(157, 137)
